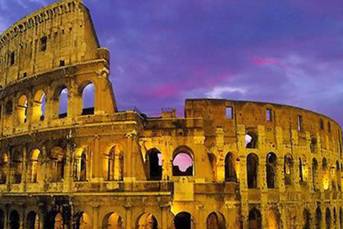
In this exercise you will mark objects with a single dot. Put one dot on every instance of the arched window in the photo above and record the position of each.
(230, 168)
(32, 221)
(58, 221)
(318, 218)
(3, 168)
(9, 107)
(315, 174)
(183, 220)
(154, 164)
(34, 165)
(80, 165)
(252, 170)
(251, 140)
(115, 164)
(83, 221)
(14, 220)
(148, 221)
(63, 102)
(288, 169)
(113, 221)
(88, 97)
(307, 219)
(313, 145)
(216, 220)
(338, 176)
(302, 170)
(22, 109)
(255, 220)
(327, 218)
(39, 102)
(340, 217)
(17, 167)
(271, 167)
(325, 173)
(183, 162)
(57, 160)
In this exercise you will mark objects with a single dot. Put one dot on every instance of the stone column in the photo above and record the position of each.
(164, 219)
(199, 223)
(22, 217)
(95, 221)
(24, 170)
(68, 173)
(128, 208)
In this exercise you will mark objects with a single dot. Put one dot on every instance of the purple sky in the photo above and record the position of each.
(163, 52)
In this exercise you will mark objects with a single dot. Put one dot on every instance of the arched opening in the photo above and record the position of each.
(115, 164)
(22, 108)
(313, 145)
(288, 169)
(80, 165)
(32, 221)
(302, 170)
(315, 174)
(327, 218)
(34, 165)
(2, 219)
(307, 219)
(273, 218)
(147, 221)
(216, 220)
(113, 221)
(230, 168)
(183, 220)
(83, 221)
(340, 217)
(318, 218)
(88, 95)
(14, 220)
(17, 167)
(338, 176)
(183, 162)
(38, 109)
(251, 140)
(57, 160)
(255, 219)
(58, 221)
(325, 173)
(154, 164)
(271, 167)
(252, 170)
(63, 102)
(9, 107)
(3, 168)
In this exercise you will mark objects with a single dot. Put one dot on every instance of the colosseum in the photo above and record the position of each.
(224, 164)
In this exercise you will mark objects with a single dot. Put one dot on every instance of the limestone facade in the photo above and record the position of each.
(248, 164)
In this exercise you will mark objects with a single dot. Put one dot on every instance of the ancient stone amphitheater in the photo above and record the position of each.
(225, 164)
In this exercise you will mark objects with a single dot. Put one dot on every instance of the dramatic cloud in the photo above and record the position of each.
(166, 51)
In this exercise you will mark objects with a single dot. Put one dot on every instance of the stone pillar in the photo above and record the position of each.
(129, 156)
(164, 219)
(199, 222)
(167, 158)
(68, 173)
(22, 217)
(95, 217)
(45, 178)
(128, 208)
(24, 170)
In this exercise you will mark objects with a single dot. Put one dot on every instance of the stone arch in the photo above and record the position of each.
(251, 140)
(230, 168)
(3, 167)
(61, 96)
(325, 174)
(183, 220)
(154, 164)
(288, 169)
(273, 218)
(14, 220)
(302, 170)
(58, 221)
(147, 221)
(252, 170)
(318, 220)
(38, 107)
(271, 169)
(22, 108)
(213, 162)
(307, 219)
(83, 221)
(57, 161)
(16, 166)
(32, 220)
(327, 218)
(215, 220)
(255, 219)
(183, 162)
(315, 174)
(114, 163)
(81, 165)
(35, 165)
(113, 221)
(313, 144)
(87, 92)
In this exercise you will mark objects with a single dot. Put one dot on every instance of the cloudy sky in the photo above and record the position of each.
(163, 52)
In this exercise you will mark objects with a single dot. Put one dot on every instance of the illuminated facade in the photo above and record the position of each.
(225, 164)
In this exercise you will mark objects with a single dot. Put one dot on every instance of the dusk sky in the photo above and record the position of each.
(164, 51)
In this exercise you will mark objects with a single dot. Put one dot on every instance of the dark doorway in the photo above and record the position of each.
(183, 220)
(154, 164)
